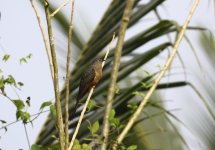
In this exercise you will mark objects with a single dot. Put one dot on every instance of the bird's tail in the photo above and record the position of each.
(76, 106)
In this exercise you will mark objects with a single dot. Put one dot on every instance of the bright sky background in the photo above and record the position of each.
(20, 35)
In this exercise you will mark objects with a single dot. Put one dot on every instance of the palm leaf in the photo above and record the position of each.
(100, 38)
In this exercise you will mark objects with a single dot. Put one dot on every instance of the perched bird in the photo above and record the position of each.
(90, 78)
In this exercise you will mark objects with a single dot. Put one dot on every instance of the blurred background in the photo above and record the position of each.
(180, 114)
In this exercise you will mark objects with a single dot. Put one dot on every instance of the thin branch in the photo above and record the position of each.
(9, 124)
(59, 121)
(26, 133)
(10, 99)
(68, 77)
(48, 52)
(114, 72)
(59, 8)
(108, 50)
(80, 119)
(151, 90)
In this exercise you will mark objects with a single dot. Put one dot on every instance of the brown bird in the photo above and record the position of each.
(89, 79)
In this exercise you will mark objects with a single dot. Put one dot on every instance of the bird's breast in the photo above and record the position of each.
(98, 75)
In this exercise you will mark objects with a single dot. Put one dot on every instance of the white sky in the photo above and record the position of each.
(20, 35)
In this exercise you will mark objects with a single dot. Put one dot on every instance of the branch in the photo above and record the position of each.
(37, 114)
(44, 38)
(59, 122)
(80, 119)
(151, 90)
(68, 77)
(59, 8)
(26, 133)
(114, 72)
(108, 50)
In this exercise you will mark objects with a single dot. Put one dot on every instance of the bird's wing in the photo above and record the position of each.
(86, 81)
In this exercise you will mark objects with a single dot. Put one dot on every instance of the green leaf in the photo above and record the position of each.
(1, 83)
(29, 56)
(20, 84)
(86, 147)
(146, 85)
(19, 104)
(18, 114)
(132, 147)
(122, 147)
(94, 128)
(133, 107)
(112, 114)
(10, 80)
(36, 147)
(113, 121)
(138, 93)
(3, 121)
(45, 104)
(6, 57)
(90, 105)
(54, 137)
(76, 145)
(54, 147)
(25, 116)
(117, 90)
(22, 60)
(53, 110)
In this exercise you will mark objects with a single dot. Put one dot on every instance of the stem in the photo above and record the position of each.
(37, 115)
(59, 122)
(59, 8)
(44, 39)
(151, 90)
(68, 77)
(115, 69)
(26, 133)
(80, 119)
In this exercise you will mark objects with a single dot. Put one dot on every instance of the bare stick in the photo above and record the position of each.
(44, 38)
(81, 118)
(151, 90)
(59, 122)
(114, 72)
(68, 77)
(59, 8)
(87, 101)
(108, 50)
(26, 133)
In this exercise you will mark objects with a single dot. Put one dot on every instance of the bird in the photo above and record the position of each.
(89, 79)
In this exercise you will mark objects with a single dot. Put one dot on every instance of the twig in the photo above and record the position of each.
(44, 39)
(68, 77)
(26, 133)
(5, 126)
(59, 8)
(88, 99)
(10, 99)
(151, 90)
(80, 119)
(114, 72)
(59, 122)
(108, 50)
